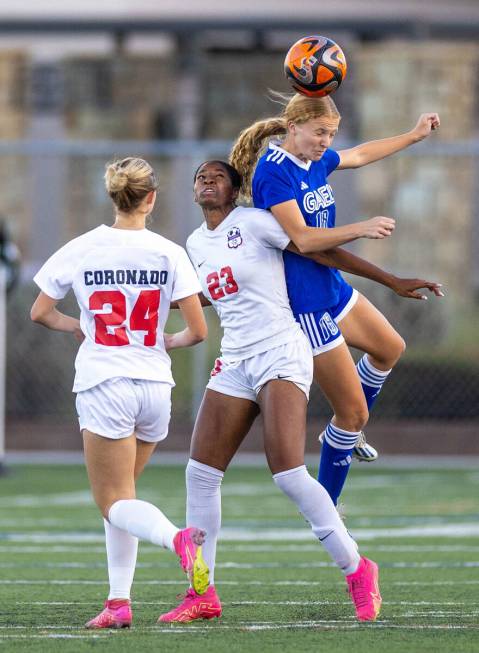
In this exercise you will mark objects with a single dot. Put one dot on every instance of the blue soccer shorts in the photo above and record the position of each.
(322, 327)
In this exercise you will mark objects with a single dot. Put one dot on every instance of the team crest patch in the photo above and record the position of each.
(234, 238)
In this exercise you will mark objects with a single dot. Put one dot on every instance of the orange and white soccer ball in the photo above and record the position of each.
(315, 66)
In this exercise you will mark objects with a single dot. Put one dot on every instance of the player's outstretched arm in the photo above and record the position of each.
(347, 262)
(314, 239)
(196, 330)
(44, 312)
(410, 287)
(361, 155)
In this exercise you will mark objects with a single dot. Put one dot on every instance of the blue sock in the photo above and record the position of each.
(372, 380)
(336, 459)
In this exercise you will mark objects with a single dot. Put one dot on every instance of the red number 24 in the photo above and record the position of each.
(213, 281)
(144, 317)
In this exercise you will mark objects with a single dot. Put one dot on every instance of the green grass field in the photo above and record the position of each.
(279, 590)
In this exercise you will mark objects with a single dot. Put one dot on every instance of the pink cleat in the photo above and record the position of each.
(364, 590)
(187, 545)
(194, 606)
(117, 614)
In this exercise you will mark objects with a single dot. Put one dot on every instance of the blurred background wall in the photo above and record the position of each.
(81, 84)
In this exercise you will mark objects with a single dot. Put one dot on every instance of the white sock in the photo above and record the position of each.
(121, 550)
(143, 520)
(203, 506)
(316, 506)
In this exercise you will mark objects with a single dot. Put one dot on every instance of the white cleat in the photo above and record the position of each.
(363, 451)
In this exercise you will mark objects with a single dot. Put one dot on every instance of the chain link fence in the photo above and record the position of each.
(64, 120)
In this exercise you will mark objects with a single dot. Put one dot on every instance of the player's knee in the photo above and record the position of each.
(360, 417)
(391, 353)
(105, 503)
(397, 349)
(355, 419)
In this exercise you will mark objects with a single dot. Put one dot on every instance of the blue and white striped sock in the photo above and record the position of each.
(336, 456)
(372, 379)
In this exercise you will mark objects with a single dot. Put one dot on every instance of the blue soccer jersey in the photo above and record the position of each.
(279, 177)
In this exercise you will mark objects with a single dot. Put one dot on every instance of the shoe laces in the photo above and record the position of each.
(190, 594)
(361, 441)
(359, 592)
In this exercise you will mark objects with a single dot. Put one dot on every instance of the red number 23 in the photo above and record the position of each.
(213, 281)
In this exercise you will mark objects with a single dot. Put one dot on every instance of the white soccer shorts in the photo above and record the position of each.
(292, 361)
(120, 406)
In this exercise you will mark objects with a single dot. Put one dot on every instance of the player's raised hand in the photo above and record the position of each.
(410, 287)
(426, 123)
(378, 227)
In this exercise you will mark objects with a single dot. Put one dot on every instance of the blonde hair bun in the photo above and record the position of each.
(116, 180)
(128, 181)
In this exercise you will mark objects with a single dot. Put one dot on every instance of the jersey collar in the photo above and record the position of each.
(223, 225)
(276, 145)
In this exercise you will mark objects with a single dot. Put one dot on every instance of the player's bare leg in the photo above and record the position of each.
(221, 426)
(144, 451)
(366, 329)
(283, 407)
(111, 468)
(112, 465)
(121, 548)
(335, 372)
(283, 411)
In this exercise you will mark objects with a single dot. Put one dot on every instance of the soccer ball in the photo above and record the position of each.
(315, 66)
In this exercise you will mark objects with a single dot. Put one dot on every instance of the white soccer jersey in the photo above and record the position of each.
(124, 281)
(240, 267)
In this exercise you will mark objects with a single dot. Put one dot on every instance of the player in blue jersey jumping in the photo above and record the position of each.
(290, 179)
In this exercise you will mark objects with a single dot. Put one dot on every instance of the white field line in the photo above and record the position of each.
(249, 459)
(455, 604)
(56, 636)
(242, 583)
(313, 564)
(245, 626)
(220, 625)
(80, 498)
(440, 614)
(84, 497)
(299, 547)
(230, 534)
(361, 534)
(31, 521)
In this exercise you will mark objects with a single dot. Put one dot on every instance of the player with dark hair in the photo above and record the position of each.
(265, 367)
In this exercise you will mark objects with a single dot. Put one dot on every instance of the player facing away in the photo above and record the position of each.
(265, 366)
(124, 278)
(291, 180)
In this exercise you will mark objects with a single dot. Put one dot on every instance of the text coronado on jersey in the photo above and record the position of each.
(132, 277)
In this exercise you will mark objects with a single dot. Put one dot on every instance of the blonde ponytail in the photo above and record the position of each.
(249, 144)
(296, 108)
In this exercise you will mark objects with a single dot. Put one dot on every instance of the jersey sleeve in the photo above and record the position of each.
(271, 186)
(185, 281)
(269, 232)
(55, 277)
(191, 249)
(331, 161)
